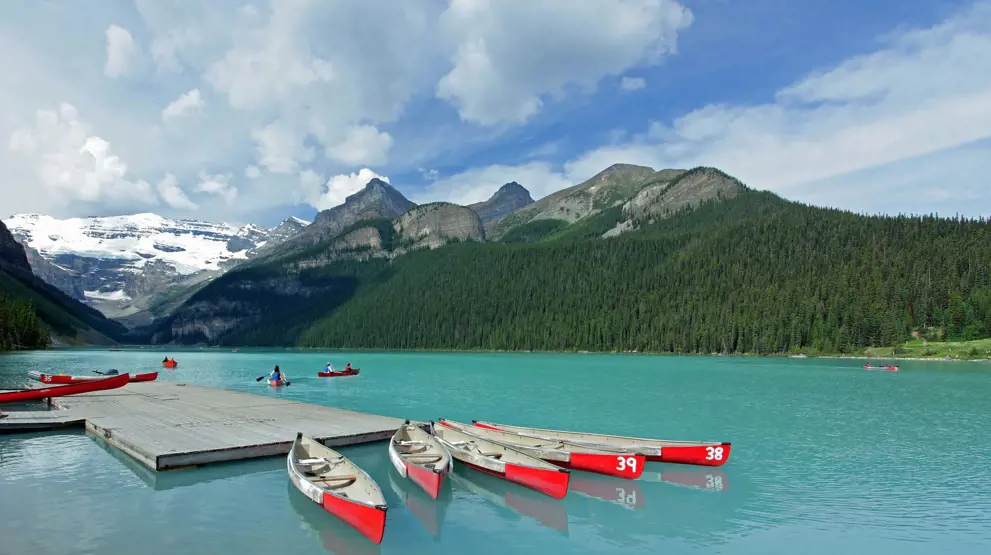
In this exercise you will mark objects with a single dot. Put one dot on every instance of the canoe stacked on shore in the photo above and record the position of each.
(109, 382)
(67, 379)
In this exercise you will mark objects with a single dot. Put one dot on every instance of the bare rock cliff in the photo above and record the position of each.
(432, 225)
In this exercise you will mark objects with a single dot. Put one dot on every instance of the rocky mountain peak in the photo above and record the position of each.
(11, 252)
(378, 199)
(509, 198)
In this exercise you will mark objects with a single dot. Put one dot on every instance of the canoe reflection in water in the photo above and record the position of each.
(625, 493)
(546, 510)
(430, 512)
(335, 535)
(707, 479)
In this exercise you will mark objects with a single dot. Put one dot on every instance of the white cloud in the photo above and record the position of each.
(429, 175)
(337, 188)
(173, 195)
(508, 55)
(73, 164)
(121, 51)
(363, 144)
(630, 84)
(219, 184)
(924, 91)
(186, 103)
(479, 184)
(252, 172)
(280, 148)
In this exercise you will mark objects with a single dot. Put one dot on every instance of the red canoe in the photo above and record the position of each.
(418, 456)
(889, 368)
(112, 382)
(352, 372)
(562, 453)
(170, 363)
(504, 462)
(66, 379)
(338, 485)
(704, 453)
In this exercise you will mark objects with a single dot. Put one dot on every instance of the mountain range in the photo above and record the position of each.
(632, 259)
(124, 265)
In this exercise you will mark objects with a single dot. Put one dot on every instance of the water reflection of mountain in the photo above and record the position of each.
(517, 499)
(335, 535)
(430, 512)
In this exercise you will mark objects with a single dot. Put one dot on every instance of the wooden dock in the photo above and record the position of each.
(167, 425)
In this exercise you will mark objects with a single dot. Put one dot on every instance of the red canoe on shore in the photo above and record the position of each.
(562, 453)
(67, 379)
(352, 372)
(703, 453)
(112, 382)
(338, 485)
(504, 462)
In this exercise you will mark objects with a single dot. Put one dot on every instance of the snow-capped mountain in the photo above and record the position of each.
(118, 263)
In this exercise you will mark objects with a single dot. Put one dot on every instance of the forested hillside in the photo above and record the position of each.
(754, 274)
(20, 327)
(750, 274)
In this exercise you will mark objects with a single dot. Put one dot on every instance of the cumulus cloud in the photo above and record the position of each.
(630, 84)
(187, 103)
(478, 184)
(337, 188)
(219, 184)
(925, 90)
(509, 55)
(252, 172)
(173, 195)
(281, 148)
(121, 51)
(363, 144)
(71, 163)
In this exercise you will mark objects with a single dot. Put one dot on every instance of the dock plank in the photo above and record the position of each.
(168, 425)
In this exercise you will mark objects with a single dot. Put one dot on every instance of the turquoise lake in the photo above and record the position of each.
(827, 459)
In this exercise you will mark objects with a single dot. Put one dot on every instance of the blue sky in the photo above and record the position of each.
(241, 111)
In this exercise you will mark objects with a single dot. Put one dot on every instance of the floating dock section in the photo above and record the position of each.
(166, 425)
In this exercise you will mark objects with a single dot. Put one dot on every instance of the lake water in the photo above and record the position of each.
(827, 458)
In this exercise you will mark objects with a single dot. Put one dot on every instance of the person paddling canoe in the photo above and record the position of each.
(348, 367)
(276, 374)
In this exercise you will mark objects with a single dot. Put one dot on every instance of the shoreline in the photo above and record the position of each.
(180, 348)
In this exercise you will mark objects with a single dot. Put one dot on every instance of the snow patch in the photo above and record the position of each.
(104, 296)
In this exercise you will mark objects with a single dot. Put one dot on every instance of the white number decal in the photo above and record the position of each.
(714, 482)
(48, 378)
(713, 453)
(625, 499)
(626, 462)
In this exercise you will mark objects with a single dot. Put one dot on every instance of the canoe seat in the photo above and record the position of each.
(426, 458)
(343, 481)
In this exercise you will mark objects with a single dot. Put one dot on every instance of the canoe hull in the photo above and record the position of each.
(568, 455)
(276, 383)
(66, 379)
(323, 374)
(429, 479)
(700, 453)
(551, 481)
(112, 382)
(367, 519)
